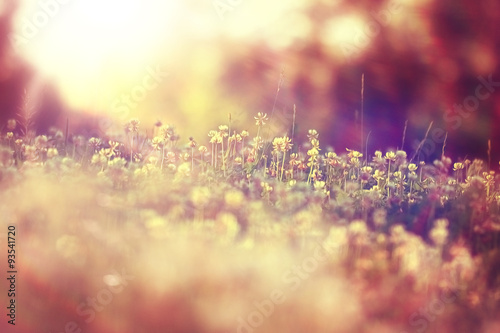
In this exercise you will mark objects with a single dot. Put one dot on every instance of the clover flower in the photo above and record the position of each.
(282, 144)
(95, 143)
(261, 119)
(312, 134)
(390, 155)
(354, 154)
(157, 142)
(257, 143)
(412, 167)
(170, 157)
(223, 130)
(166, 131)
(132, 126)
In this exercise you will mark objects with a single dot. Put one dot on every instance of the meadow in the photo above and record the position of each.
(242, 231)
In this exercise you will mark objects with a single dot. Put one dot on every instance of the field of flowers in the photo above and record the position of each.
(238, 232)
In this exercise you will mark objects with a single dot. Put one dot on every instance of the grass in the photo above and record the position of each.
(213, 234)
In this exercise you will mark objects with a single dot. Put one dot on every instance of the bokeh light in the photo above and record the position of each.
(228, 57)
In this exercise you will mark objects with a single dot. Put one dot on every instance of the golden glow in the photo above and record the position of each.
(345, 35)
(94, 50)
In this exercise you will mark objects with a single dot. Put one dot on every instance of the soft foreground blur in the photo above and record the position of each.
(109, 246)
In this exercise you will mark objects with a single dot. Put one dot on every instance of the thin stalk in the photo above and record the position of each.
(422, 142)
(282, 166)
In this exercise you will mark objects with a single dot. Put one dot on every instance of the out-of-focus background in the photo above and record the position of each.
(191, 63)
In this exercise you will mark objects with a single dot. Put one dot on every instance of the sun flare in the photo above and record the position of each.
(94, 49)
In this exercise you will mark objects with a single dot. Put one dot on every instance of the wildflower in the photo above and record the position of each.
(312, 134)
(223, 130)
(98, 159)
(266, 188)
(236, 137)
(114, 146)
(95, 143)
(52, 152)
(315, 143)
(282, 144)
(157, 142)
(367, 169)
(390, 155)
(294, 160)
(170, 157)
(106, 152)
(354, 154)
(366, 173)
(313, 152)
(132, 126)
(261, 119)
(257, 143)
(202, 149)
(458, 166)
(412, 167)
(379, 174)
(244, 134)
(214, 137)
(319, 185)
(117, 163)
(9, 135)
(401, 154)
(166, 132)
